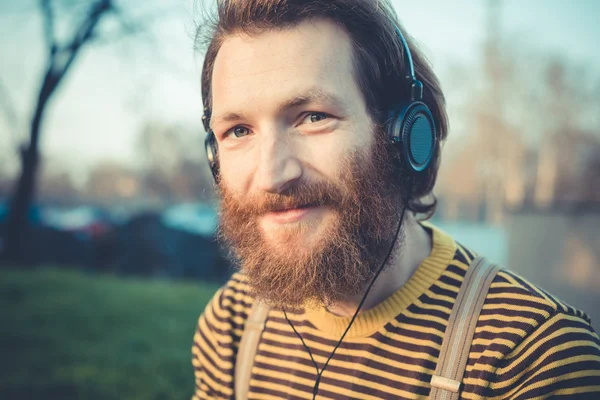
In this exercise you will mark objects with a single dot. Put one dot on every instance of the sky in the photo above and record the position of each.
(116, 87)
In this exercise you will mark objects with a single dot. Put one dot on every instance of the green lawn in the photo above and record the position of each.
(67, 335)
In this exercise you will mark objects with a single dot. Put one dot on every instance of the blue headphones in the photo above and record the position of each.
(410, 127)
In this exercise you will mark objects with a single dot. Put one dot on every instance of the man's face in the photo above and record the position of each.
(306, 197)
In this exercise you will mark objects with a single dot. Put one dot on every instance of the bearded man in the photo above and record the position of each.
(325, 156)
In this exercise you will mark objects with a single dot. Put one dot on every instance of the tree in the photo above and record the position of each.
(61, 57)
(70, 26)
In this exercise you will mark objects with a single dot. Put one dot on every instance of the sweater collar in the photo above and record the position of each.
(369, 321)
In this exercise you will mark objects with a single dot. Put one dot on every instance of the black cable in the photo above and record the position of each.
(385, 260)
(302, 340)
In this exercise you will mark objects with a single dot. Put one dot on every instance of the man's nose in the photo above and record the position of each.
(279, 164)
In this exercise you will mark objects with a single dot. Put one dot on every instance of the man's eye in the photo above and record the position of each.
(239, 131)
(315, 117)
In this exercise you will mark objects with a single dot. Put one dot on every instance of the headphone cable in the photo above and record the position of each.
(385, 260)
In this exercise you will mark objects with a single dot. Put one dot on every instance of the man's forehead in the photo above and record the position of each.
(281, 64)
(306, 44)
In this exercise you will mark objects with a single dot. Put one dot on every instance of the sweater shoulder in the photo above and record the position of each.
(510, 288)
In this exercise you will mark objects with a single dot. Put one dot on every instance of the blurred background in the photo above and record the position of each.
(107, 212)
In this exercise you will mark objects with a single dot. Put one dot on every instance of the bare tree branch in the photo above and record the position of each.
(48, 18)
(86, 30)
(83, 35)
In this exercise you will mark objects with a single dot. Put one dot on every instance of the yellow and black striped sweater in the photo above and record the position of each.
(527, 343)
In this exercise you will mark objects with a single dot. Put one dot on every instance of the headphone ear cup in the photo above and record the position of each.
(412, 129)
(210, 144)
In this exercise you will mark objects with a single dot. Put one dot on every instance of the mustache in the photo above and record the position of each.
(299, 195)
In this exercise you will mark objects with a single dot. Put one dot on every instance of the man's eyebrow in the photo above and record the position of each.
(227, 117)
(310, 96)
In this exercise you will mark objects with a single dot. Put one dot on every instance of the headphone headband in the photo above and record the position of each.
(411, 68)
(416, 87)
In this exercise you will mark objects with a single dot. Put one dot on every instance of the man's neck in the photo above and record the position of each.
(402, 264)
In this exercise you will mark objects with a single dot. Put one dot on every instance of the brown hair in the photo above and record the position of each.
(379, 60)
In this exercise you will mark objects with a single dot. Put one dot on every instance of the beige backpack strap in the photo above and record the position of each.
(255, 324)
(446, 382)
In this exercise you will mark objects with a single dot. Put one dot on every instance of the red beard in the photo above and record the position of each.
(350, 248)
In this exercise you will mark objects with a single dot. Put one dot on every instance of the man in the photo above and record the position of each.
(317, 201)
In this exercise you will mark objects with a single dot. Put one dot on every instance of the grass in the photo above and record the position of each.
(67, 335)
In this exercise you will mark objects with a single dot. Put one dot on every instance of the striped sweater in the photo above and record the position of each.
(527, 343)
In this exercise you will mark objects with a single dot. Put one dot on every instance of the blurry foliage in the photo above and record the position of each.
(174, 167)
(172, 170)
(109, 183)
(530, 134)
(57, 187)
(69, 336)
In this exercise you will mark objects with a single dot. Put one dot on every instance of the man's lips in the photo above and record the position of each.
(288, 215)
(282, 207)
(288, 208)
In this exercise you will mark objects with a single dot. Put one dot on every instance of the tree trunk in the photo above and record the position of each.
(17, 225)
